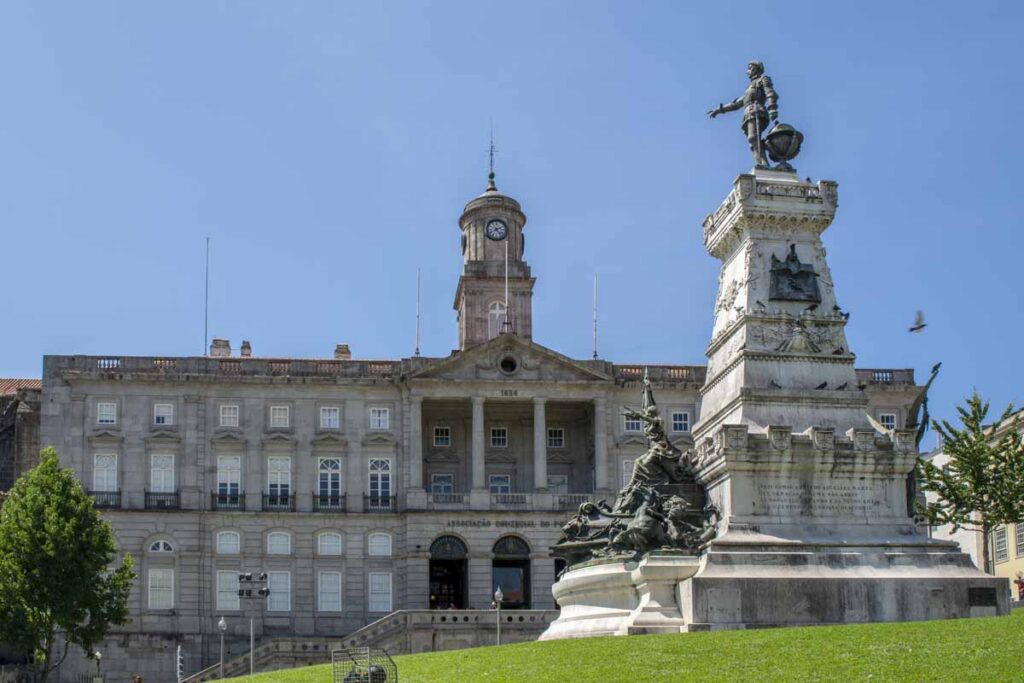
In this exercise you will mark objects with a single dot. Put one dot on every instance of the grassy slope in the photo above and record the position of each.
(959, 650)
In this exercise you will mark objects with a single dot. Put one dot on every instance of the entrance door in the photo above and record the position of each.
(448, 573)
(510, 569)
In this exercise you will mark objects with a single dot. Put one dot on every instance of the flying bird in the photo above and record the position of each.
(919, 323)
(823, 385)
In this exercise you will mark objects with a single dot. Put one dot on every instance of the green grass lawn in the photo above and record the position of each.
(990, 649)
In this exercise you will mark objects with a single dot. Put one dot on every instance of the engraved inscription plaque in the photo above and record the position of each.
(817, 500)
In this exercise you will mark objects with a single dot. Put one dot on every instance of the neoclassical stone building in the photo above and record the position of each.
(361, 487)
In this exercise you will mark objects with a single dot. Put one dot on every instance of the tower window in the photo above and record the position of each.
(495, 319)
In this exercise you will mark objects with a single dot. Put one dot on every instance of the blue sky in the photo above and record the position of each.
(327, 148)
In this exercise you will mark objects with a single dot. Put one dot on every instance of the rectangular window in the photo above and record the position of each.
(279, 475)
(329, 599)
(380, 592)
(330, 418)
(500, 483)
(680, 421)
(161, 588)
(442, 482)
(161, 473)
(999, 550)
(279, 418)
(442, 437)
(330, 477)
(229, 475)
(627, 472)
(104, 472)
(106, 413)
(556, 437)
(1020, 540)
(499, 437)
(227, 590)
(380, 418)
(631, 425)
(379, 470)
(558, 483)
(163, 414)
(887, 420)
(229, 416)
(280, 586)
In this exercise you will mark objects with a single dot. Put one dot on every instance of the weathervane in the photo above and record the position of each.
(491, 151)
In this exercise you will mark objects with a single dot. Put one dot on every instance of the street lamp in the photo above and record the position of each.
(249, 580)
(97, 656)
(222, 626)
(498, 597)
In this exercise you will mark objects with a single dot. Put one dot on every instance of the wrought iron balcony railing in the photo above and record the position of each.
(380, 504)
(160, 500)
(328, 503)
(227, 501)
(106, 499)
(279, 502)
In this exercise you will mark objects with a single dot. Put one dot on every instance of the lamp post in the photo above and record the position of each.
(261, 591)
(498, 597)
(97, 656)
(222, 626)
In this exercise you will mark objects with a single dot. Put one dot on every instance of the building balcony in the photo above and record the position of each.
(162, 500)
(380, 504)
(572, 501)
(106, 499)
(227, 501)
(510, 501)
(328, 503)
(278, 502)
(447, 501)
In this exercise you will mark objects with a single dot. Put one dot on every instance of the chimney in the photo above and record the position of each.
(220, 348)
(342, 352)
(246, 351)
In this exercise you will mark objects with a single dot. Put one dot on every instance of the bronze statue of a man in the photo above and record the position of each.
(760, 104)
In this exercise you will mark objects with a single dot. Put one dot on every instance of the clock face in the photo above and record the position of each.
(496, 229)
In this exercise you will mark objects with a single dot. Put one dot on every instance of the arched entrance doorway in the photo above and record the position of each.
(448, 573)
(510, 569)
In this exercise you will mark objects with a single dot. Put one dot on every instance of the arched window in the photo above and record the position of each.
(229, 542)
(161, 547)
(511, 546)
(379, 545)
(448, 548)
(495, 319)
(329, 543)
(279, 543)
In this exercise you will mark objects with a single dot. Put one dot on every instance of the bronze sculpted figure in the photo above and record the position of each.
(642, 518)
(760, 104)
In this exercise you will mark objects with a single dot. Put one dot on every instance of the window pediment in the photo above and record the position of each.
(105, 436)
(379, 439)
(329, 441)
(278, 439)
(228, 438)
(163, 437)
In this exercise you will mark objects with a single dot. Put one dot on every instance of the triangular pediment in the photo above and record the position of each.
(278, 439)
(329, 440)
(228, 439)
(632, 440)
(379, 439)
(105, 436)
(163, 436)
(529, 362)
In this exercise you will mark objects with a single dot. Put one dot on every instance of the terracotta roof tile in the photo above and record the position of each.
(9, 385)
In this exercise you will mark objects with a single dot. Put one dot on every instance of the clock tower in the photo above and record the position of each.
(493, 270)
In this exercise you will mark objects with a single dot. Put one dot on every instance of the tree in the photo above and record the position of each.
(982, 485)
(55, 573)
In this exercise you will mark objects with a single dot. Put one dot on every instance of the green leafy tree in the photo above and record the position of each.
(982, 485)
(55, 573)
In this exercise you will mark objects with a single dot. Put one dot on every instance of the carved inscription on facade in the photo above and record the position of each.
(824, 500)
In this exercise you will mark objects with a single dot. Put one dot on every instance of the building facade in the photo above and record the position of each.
(19, 428)
(360, 487)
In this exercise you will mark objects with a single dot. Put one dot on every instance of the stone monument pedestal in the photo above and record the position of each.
(614, 597)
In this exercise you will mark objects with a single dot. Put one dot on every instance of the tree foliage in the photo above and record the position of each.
(982, 484)
(55, 573)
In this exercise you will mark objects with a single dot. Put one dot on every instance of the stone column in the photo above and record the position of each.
(540, 445)
(477, 466)
(600, 444)
(416, 442)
